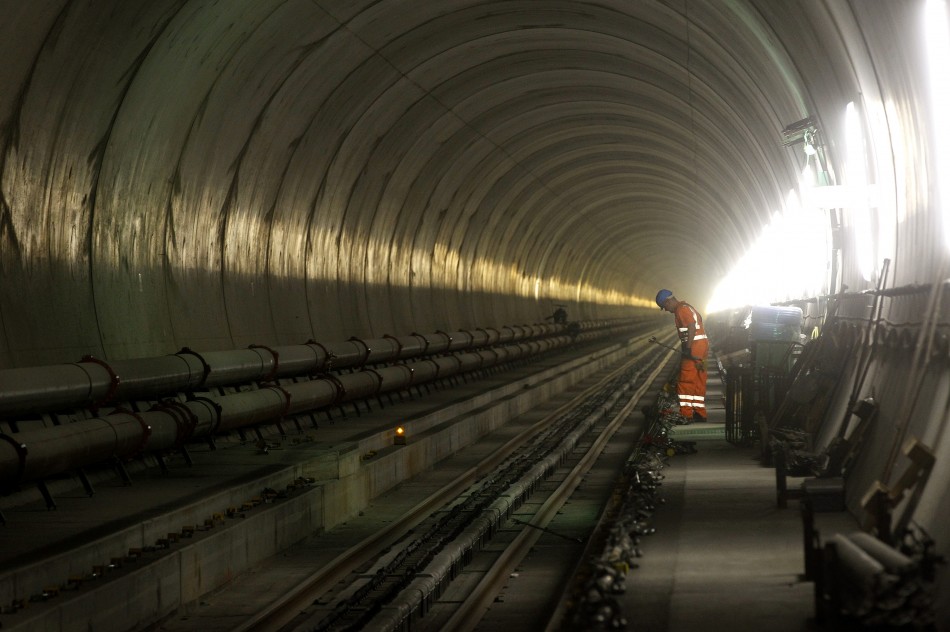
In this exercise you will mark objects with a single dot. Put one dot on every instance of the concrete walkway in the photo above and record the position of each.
(723, 557)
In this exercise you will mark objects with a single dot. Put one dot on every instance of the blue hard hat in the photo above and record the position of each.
(661, 297)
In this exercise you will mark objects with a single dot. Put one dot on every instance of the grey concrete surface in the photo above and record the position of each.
(724, 557)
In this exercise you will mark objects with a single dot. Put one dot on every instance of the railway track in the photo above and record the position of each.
(391, 579)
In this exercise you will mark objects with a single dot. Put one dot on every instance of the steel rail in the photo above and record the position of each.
(283, 610)
(470, 611)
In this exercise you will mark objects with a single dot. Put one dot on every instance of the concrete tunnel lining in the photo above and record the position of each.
(217, 175)
(285, 137)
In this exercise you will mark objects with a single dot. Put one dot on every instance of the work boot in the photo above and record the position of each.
(698, 417)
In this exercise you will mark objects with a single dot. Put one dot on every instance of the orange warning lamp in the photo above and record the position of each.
(400, 438)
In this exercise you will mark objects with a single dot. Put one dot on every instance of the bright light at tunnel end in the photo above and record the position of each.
(788, 260)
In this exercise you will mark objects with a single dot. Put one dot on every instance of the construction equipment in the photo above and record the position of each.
(881, 499)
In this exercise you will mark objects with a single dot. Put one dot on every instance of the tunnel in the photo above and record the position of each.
(256, 236)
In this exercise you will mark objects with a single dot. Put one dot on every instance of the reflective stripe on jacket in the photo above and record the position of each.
(685, 315)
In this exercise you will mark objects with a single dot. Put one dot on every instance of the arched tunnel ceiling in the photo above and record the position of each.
(215, 174)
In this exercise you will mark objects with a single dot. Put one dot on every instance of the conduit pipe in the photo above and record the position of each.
(37, 454)
(860, 567)
(891, 559)
(92, 383)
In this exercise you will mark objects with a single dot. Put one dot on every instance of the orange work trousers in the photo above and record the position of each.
(691, 386)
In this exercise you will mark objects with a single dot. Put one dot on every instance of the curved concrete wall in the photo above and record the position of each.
(217, 174)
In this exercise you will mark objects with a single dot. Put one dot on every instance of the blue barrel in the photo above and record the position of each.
(775, 324)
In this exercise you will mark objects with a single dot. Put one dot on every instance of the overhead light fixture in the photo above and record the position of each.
(803, 131)
(806, 133)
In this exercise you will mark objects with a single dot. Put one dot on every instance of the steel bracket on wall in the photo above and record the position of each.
(881, 499)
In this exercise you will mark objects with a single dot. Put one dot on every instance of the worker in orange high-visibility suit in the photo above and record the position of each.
(691, 387)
